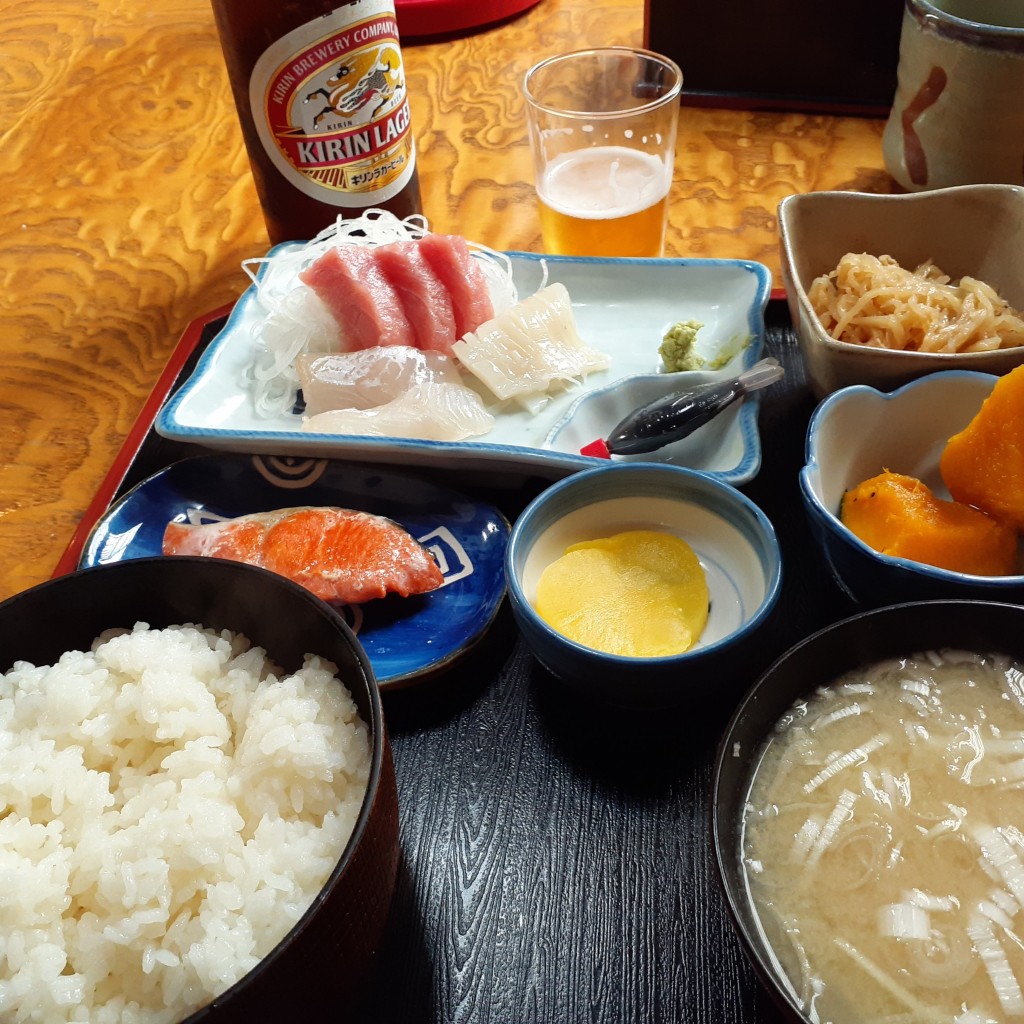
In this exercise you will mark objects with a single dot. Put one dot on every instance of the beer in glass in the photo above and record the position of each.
(602, 131)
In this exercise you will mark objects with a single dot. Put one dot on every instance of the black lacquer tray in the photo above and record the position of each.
(556, 863)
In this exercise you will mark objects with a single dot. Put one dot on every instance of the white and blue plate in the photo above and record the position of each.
(406, 639)
(622, 307)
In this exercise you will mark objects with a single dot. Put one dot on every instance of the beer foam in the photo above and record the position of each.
(604, 182)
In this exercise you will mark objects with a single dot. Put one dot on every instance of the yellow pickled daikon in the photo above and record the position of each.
(641, 594)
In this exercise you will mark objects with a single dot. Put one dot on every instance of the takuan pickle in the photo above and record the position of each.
(641, 593)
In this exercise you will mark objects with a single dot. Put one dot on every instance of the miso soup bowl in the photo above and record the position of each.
(322, 966)
(733, 539)
(872, 636)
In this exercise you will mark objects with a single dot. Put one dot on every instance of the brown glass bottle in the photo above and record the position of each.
(321, 96)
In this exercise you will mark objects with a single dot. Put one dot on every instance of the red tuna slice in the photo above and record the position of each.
(359, 296)
(424, 297)
(340, 554)
(451, 260)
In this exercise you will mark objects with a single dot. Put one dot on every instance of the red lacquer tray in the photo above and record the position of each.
(128, 451)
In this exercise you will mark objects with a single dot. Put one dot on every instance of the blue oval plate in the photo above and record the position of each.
(406, 639)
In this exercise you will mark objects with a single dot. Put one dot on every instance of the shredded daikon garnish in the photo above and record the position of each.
(299, 324)
(904, 921)
(840, 814)
(993, 958)
(856, 756)
(1000, 855)
(805, 838)
(973, 741)
(929, 901)
(835, 716)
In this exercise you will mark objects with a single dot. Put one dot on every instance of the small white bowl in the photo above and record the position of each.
(977, 230)
(857, 433)
(733, 539)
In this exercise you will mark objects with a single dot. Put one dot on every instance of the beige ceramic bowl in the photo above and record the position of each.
(977, 230)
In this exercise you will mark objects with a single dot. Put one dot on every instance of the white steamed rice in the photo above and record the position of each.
(169, 808)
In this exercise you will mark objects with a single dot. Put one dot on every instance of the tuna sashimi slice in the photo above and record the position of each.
(340, 554)
(425, 299)
(360, 298)
(451, 260)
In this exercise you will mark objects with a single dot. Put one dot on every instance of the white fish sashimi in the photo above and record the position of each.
(369, 377)
(428, 411)
(524, 351)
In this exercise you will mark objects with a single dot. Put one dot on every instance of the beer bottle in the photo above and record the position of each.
(321, 96)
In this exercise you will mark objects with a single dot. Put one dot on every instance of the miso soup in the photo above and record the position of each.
(883, 843)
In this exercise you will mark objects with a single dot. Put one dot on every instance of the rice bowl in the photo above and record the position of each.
(173, 807)
(215, 836)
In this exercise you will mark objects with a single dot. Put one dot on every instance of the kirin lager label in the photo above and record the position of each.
(331, 107)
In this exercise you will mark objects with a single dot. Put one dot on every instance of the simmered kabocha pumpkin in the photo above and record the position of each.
(901, 516)
(983, 465)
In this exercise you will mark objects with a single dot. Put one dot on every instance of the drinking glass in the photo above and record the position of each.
(602, 126)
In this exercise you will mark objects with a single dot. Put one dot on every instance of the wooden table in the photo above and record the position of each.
(542, 879)
(127, 206)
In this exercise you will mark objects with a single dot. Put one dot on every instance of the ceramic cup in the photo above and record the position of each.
(957, 116)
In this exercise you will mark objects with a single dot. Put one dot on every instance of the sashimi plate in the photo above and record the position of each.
(406, 639)
(622, 307)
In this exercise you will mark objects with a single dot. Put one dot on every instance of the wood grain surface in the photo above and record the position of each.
(127, 206)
